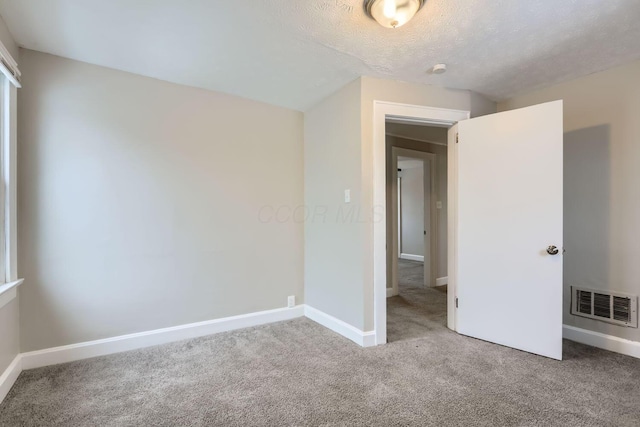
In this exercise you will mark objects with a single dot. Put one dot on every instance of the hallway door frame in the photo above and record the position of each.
(430, 240)
(410, 114)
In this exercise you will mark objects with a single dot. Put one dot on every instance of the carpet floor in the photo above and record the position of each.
(416, 311)
(299, 373)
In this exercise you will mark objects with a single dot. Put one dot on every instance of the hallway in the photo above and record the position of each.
(417, 311)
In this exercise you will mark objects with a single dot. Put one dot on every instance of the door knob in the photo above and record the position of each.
(552, 250)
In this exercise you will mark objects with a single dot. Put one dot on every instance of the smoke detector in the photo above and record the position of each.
(439, 69)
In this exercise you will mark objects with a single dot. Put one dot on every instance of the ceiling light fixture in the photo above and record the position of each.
(392, 13)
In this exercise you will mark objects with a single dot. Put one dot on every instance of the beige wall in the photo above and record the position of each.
(481, 106)
(137, 211)
(334, 279)
(601, 182)
(9, 314)
(140, 203)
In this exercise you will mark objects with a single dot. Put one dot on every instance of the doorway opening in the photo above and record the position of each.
(501, 244)
(388, 112)
(416, 172)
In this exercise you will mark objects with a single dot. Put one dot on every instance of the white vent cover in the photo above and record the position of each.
(608, 306)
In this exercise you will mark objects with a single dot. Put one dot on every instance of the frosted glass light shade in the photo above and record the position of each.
(393, 13)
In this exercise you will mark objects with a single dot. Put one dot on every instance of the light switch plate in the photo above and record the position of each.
(347, 196)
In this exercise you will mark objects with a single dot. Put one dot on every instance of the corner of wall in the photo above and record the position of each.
(333, 162)
(481, 105)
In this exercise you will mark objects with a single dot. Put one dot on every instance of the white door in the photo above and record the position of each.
(509, 214)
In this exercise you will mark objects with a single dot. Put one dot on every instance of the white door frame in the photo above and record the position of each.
(398, 212)
(413, 114)
(430, 241)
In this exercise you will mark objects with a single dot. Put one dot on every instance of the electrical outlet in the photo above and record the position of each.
(438, 205)
(291, 301)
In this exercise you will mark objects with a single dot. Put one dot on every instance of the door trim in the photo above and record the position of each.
(415, 114)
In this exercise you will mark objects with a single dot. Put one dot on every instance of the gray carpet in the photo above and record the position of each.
(299, 373)
(416, 311)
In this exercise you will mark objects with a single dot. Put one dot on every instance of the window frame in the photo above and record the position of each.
(9, 83)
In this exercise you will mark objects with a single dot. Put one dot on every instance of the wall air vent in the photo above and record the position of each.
(608, 306)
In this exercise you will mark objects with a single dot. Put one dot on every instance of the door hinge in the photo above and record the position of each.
(456, 302)
(457, 138)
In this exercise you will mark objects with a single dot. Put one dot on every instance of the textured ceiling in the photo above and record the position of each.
(295, 52)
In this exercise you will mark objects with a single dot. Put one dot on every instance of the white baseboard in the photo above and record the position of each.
(412, 257)
(391, 292)
(9, 376)
(441, 281)
(596, 339)
(69, 353)
(364, 339)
